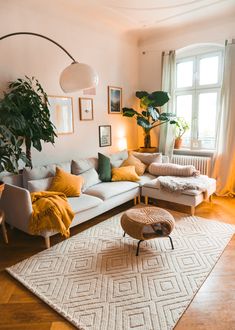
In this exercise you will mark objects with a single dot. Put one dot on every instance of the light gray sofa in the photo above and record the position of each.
(97, 197)
(95, 200)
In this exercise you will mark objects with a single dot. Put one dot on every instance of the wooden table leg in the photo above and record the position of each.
(4, 232)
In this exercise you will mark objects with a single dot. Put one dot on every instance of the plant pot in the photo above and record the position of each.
(178, 143)
(148, 150)
(2, 186)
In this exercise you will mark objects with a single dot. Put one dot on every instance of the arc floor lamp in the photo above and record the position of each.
(74, 77)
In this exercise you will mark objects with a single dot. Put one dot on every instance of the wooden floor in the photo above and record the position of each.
(212, 308)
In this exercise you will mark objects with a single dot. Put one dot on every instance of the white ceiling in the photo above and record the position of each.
(137, 14)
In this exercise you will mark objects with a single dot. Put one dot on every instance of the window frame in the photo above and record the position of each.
(195, 90)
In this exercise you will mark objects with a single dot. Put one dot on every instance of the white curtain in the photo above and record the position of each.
(167, 131)
(224, 164)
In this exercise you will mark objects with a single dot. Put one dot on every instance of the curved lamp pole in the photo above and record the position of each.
(76, 76)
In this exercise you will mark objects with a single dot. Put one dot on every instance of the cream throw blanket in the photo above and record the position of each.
(180, 184)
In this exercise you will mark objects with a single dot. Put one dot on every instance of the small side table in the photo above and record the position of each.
(2, 223)
(144, 223)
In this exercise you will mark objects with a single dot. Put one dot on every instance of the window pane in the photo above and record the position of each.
(184, 109)
(209, 70)
(184, 74)
(207, 119)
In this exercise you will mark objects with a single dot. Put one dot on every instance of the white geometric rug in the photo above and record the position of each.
(96, 282)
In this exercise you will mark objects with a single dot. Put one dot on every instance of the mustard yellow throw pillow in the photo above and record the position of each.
(133, 161)
(126, 173)
(66, 183)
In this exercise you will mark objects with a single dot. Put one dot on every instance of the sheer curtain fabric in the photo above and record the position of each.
(167, 131)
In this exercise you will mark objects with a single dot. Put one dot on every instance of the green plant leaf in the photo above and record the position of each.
(159, 98)
(129, 112)
(143, 123)
(141, 94)
(153, 113)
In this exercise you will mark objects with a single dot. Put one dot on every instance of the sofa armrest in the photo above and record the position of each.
(17, 206)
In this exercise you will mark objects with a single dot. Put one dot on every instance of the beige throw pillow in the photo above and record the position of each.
(148, 158)
(133, 161)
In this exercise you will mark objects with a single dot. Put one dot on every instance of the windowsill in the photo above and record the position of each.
(189, 152)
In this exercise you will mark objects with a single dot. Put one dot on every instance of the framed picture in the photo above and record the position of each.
(114, 99)
(86, 108)
(61, 111)
(105, 137)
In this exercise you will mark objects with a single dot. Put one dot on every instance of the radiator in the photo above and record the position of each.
(203, 164)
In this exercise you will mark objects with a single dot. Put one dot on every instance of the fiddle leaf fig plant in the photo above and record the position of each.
(150, 115)
(24, 111)
(10, 151)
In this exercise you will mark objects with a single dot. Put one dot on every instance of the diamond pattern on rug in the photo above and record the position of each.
(95, 280)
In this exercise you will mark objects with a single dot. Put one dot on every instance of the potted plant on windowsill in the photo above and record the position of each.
(181, 128)
(150, 115)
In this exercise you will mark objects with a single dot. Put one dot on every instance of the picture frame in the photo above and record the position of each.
(105, 136)
(86, 108)
(114, 100)
(61, 113)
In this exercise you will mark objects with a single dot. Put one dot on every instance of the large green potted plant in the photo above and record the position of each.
(24, 111)
(10, 151)
(150, 115)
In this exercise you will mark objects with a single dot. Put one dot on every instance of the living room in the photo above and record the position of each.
(124, 42)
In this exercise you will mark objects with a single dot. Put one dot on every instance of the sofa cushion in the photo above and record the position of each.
(126, 173)
(120, 155)
(104, 168)
(39, 185)
(90, 177)
(37, 173)
(66, 183)
(148, 158)
(139, 166)
(66, 166)
(154, 184)
(147, 177)
(106, 190)
(81, 165)
(83, 203)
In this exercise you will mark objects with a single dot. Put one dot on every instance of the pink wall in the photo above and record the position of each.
(113, 54)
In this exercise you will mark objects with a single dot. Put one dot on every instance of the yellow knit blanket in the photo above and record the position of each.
(51, 211)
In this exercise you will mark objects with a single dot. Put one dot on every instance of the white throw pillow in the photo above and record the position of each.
(120, 155)
(81, 165)
(90, 177)
(37, 173)
(39, 185)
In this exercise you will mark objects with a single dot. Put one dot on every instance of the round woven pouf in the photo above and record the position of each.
(146, 223)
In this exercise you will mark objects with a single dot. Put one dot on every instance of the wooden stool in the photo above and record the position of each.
(2, 223)
(146, 223)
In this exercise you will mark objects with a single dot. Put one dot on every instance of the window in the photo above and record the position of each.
(197, 96)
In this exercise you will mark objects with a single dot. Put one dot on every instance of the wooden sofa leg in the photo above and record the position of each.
(210, 199)
(146, 200)
(135, 200)
(47, 241)
(192, 210)
(139, 199)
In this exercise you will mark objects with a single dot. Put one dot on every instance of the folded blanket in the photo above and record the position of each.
(172, 169)
(180, 184)
(51, 211)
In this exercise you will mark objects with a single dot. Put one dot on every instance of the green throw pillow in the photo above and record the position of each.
(104, 168)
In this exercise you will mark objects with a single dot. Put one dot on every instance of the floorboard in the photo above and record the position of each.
(211, 308)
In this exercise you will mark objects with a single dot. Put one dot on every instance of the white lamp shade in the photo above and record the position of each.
(78, 76)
